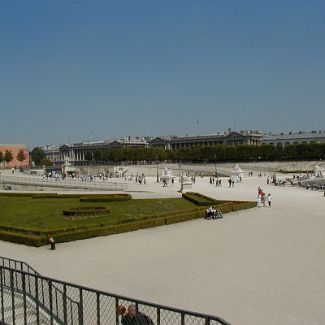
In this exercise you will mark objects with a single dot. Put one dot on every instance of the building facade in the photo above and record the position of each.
(76, 153)
(228, 138)
(15, 149)
(285, 139)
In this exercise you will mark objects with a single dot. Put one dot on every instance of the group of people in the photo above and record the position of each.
(262, 198)
(212, 213)
(141, 179)
(216, 180)
(271, 179)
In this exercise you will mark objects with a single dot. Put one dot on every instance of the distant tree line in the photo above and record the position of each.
(209, 154)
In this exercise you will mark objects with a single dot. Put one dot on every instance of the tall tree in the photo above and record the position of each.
(46, 162)
(89, 155)
(1, 156)
(37, 155)
(21, 156)
(8, 157)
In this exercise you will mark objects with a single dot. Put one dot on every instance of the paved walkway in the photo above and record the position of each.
(262, 266)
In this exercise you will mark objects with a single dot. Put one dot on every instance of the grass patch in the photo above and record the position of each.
(47, 214)
(24, 219)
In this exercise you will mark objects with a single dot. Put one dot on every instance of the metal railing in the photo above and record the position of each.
(38, 296)
(115, 184)
(65, 303)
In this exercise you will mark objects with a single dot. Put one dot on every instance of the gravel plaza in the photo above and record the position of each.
(258, 266)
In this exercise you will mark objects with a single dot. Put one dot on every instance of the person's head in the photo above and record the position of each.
(132, 310)
(121, 309)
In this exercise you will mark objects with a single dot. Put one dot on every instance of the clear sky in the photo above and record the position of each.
(103, 69)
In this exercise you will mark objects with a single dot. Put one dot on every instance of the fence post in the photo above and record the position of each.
(50, 298)
(24, 297)
(65, 316)
(12, 287)
(37, 300)
(116, 313)
(182, 318)
(98, 308)
(81, 312)
(1, 291)
(158, 316)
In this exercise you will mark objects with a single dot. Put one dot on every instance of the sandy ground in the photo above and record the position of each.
(262, 266)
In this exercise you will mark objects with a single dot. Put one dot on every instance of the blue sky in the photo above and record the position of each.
(69, 69)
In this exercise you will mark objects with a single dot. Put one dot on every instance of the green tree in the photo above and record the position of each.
(290, 151)
(37, 155)
(89, 155)
(98, 155)
(46, 162)
(1, 156)
(8, 157)
(21, 156)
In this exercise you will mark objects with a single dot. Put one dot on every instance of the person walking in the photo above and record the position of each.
(269, 199)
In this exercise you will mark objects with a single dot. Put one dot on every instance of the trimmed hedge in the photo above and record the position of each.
(86, 211)
(16, 194)
(45, 196)
(82, 197)
(198, 198)
(132, 226)
(106, 198)
(19, 238)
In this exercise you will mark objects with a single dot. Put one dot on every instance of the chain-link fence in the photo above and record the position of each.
(26, 298)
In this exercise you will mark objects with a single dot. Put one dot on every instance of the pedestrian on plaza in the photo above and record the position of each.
(269, 199)
(263, 199)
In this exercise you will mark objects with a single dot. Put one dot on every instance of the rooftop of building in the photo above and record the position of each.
(294, 135)
(12, 145)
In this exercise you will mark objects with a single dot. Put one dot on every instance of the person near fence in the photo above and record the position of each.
(134, 317)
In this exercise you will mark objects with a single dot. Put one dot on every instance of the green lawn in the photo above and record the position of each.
(46, 214)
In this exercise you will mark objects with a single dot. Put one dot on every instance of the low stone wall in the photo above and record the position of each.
(223, 169)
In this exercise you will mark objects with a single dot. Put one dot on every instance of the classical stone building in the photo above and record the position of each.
(294, 138)
(76, 153)
(228, 138)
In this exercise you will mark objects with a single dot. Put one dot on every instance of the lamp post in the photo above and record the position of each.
(157, 169)
(215, 166)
